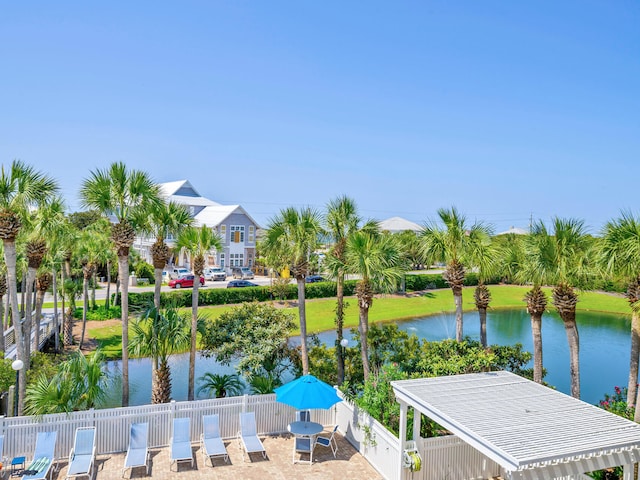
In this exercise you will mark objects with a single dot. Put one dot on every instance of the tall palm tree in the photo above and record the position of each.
(620, 255)
(88, 252)
(560, 259)
(198, 242)
(158, 334)
(484, 259)
(341, 220)
(289, 240)
(162, 221)
(21, 187)
(380, 263)
(456, 245)
(120, 193)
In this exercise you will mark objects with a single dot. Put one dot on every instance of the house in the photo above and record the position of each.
(399, 225)
(233, 224)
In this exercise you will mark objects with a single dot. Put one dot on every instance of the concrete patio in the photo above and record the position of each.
(347, 465)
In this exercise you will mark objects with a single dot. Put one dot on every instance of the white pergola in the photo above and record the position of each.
(531, 431)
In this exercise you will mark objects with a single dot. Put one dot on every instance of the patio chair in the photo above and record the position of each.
(303, 416)
(250, 442)
(329, 441)
(210, 441)
(83, 454)
(138, 450)
(181, 442)
(43, 456)
(303, 445)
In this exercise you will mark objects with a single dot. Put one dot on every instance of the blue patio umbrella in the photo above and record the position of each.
(307, 392)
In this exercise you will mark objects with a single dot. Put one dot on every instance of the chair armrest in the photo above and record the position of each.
(71, 455)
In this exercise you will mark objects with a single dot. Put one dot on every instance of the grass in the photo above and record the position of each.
(321, 312)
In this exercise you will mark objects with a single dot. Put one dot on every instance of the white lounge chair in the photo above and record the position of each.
(83, 454)
(329, 441)
(210, 441)
(43, 456)
(249, 436)
(138, 450)
(181, 442)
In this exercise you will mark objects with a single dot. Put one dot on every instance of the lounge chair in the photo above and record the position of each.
(249, 436)
(43, 456)
(181, 442)
(138, 450)
(210, 441)
(329, 441)
(83, 454)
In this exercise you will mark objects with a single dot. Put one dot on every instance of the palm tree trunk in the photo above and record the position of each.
(363, 328)
(23, 288)
(2, 346)
(93, 290)
(482, 312)
(107, 300)
(339, 326)
(632, 386)
(157, 275)
(56, 326)
(571, 329)
(123, 273)
(7, 311)
(536, 333)
(117, 296)
(85, 306)
(194, 337)
(459, 326)
(39, 301)
(10, 261)
(28, 318)
(303, 325)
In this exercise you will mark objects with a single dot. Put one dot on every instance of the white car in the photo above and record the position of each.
(177, 272)
(215, 274)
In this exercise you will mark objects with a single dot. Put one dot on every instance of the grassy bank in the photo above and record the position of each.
(321, 312)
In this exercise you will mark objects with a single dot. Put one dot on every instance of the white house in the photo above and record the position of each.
(234, 225)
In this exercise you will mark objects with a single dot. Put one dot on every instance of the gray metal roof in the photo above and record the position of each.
(518, 423)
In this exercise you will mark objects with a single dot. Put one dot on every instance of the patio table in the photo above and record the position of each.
(306, 430)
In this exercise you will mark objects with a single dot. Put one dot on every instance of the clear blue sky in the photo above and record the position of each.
(505, 109)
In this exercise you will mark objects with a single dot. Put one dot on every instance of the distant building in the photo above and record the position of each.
(398, 225)
(233, 224)
(514, 231)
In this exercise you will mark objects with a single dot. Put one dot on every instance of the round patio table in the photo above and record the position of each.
(305, 429)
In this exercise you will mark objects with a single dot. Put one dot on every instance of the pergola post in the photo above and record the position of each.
(416, 424)
(402, 437)
(628, 472)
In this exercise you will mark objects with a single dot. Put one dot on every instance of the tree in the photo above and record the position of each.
(455, 244)
(619, 254)
(484, 259)
(198, 242)
(158, 334)
(220, 385)
(21, 187)
(289, 240)
(121, 193)
(162, 221)
(89, 251)
(342, 220)
(561, 260)
(378, 261)
(255, 334)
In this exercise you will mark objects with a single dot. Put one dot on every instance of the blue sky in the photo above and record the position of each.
(506, 109)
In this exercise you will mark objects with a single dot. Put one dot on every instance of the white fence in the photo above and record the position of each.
(113, 424)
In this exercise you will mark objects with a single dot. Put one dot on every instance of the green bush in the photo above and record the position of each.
(145, 270)
(429, 281)
(100, 313)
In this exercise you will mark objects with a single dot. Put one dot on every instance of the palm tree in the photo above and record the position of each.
(560, 260)
(158, 334)
(89, 250)
(220, 385)
(21, 187)
(342, 220)
(619, 254)
(484, 258)
(289, 240)
(198, 242)
(456, 245)
(380, 263)
(121, 193)
(162, 221)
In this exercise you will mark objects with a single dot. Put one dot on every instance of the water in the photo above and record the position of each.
(604, 351)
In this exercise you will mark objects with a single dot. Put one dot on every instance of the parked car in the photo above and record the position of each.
(215, 274)
(314, 278)
(176, 272)
(184, 281)
(240, 283)
(242, 273)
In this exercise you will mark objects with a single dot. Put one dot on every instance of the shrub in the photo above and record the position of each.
(145, 270)
(100, 313)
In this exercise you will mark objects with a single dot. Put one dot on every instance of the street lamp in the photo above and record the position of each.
(17, 366)
(344, 343)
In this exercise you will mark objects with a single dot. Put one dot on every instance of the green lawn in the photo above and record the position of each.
(321, 312)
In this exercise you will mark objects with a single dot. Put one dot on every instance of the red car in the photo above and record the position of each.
(184, 281)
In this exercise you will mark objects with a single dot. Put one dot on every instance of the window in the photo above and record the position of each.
(223, 233)
(251, 229)
(222, 260)
(237, 233)
(236, 259)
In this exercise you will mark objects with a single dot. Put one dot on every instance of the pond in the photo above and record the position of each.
(604, 351)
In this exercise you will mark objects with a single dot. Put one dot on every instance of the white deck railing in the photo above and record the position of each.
(46, 331)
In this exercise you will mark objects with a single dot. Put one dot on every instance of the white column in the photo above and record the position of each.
(416, 425)
(628, 471)
(402, 436)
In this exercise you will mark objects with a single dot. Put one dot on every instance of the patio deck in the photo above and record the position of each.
(347, 465)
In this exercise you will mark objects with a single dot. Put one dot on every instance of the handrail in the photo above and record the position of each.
(46, 331)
